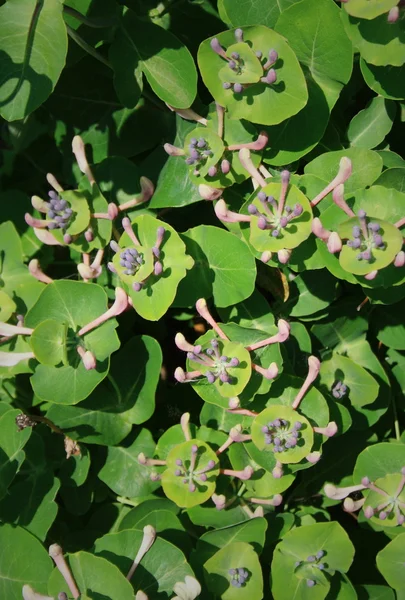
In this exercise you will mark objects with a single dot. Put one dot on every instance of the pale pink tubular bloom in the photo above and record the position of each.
(258, 144)
(150, 462)
(30, 594)
(243, 474)
(10, 359)
(266, 256)
(181, 376)
(209, 193)
(399, 259)
(79, 150)
(350, 505)
(37, 223)
(235, 435)
(370, 276)
(219, 500)
(140, 595)
(334, 243)
(53, 182)
(149, 536)
(339, 200)
(278, 470)
(39, 204)
(393, 15)
(120, 304)
(88, 358)
(11, 330)
(56, 553)
(275, 501)
(189, 114)
(284, 255)
(202, 309)
(280, 337)
(336, 493)
(46, 237)
(270, 373)
(247, 163)
(126, 223)
(185, 426)
(345, 170)
(313, 372)
(329, 431)
(319, 230)
(313, 457)
(243, 411)
(233, 402)
(182, 343)
(147, 190)
(173, 150)
(228, 216)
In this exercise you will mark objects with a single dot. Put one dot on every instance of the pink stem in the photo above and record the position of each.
(203, 311)
(258, 144)
(244, 157)
(120, 304)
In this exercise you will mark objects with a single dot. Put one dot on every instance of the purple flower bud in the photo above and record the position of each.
(190, 161)
(378, 241)
(262, 196)
(356, 231)
(297, 563)
(179, 462)
(239, 35)
(214, 343)
(275, 233)
(356, 243)
(382, 515)
(194, 154)
(193, 141)
(226, 85)
(232, 64)
(51, 214)
(261, 223)
(310, 582)
(362, 214)
(194, 448)
(365, 481)
(158, 268)
(210, 376)
(284, 221)
(212, 171)
(273, 56)
(368, 512)
(201, 143)
(311, 558)
(216, 46)
(321, 566)
(234, 362)
(238, 88)
(211, 464)
(114, 246)
(225, 166)
(203, 477)
(177, 472)
(259, 53)
(366, 255)
(136, 286)
(111, 267)
(192, 488)
(297, 425)
(265, 429)
(271, 76)
(374, 227)
(235, 55)
(252, 210)
(67, 238)
(297, 210)
(232, 571)
(224, 377)
(156, 251)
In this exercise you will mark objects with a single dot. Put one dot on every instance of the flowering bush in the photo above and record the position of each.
(202, 296)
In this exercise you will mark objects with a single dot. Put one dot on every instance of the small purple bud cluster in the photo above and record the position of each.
(313, 560)
(238, 576)
(217, 363)
(280, 433)
(191, 475)
(199, 152)
(271, 218)
(366, 238)
(59, 213)
(131, 259)
(339, 390)
(392, 505)
(237, 65)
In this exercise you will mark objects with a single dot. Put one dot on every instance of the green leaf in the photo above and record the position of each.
(35, 572)
(12, 443)
(388, 81)
(251, 12)
(252, 532)
(314, 30)
(388, 325)
(223, 268)
(393, 178)
(233, 556)
(368, 9)
(390, 562)
(122, 460)
(254, 312)
(375, 592)
(369, 127)
(48, 342)
(162, 566)
(362, 387)
(7, 307)
(33, 48)
(166, 63)
(259, 103)
(367, 166)
(94, 576)
(310, 292)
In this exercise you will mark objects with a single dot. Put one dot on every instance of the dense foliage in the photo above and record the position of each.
(202, 298)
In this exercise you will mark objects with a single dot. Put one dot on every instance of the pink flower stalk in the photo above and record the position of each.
(400, 223)
(275, 501)
(173, 150)
(56, 553)
(319, 230)
(338, 199)
(243, 411)
(79, 150)
(209, 193)
(202, 309)
(336, 493)
(126, 223)
(182, 376)
(120, 304)
(228, 216)
(313, 372)
(282, 335)
(39, 204)
(216, 46)
(247, 163)
(399, 259)
(37, 223)
(350, 505)
(284, 255)
(147, 190)
(185, 426)
(345, 170)
(329, 431)
(243, 475)
(270, 373)
(285, 181)
(30, 594)
(189, 114)
(183, 344)
(221, 116)
(88, 358)
(11, 330)
(258, 144)
(334, 243)
(150, 462)
(10, 359)
(149, 536)
(53, 182)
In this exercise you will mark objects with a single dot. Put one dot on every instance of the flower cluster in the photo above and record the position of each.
(339, 390)
(238, 577)
(314, 561)
(131, 259)
(366, 238)
(59, 214)
(199, 151)
(280, 433)
(217, 364)
(191, 475)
